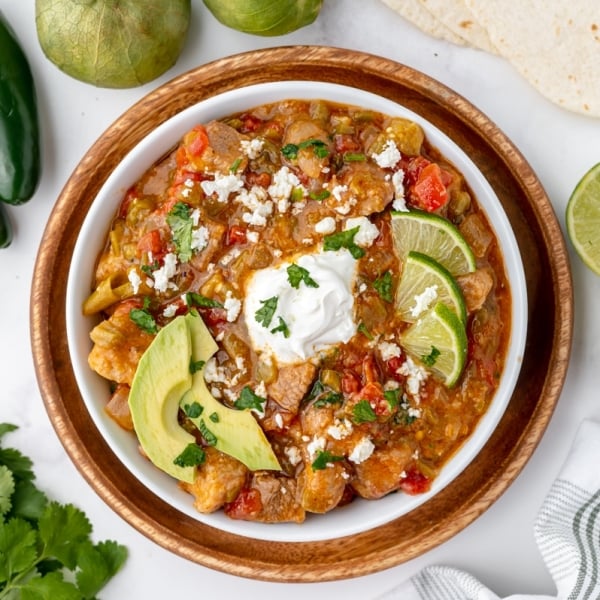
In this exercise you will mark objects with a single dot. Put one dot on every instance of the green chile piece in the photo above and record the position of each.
(265, 17)
(19, 124)
(113, 43)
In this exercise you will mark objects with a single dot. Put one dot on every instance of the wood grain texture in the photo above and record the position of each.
(500, 461)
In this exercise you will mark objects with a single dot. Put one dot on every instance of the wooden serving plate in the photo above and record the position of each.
(490, 473)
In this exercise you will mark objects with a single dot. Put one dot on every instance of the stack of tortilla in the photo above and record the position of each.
(555, 44)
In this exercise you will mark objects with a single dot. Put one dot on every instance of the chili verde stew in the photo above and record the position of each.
(276, 227)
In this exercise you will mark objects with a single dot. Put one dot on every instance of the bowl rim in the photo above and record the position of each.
(326, 64)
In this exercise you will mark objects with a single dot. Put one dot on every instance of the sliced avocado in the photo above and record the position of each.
(161, 379)
(234, 432)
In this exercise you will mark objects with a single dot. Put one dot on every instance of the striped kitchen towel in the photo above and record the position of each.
(567, 532)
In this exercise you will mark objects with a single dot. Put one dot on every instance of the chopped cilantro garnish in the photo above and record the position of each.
(192, 456)
(393, 397)
(200, 301)
(384, 287)
(363, 412)
(235, 166)
(196, 365)
(207, 434)
(149, 269)
(290, 151)
(298, 274)
(362, 328)
(143, 318)
(180, 221)
(344, 239)
(328, 398)
(193, 410)
(265, 314)
(430, 359)
(248, 399)
(354, 157)
(323, 459)
(214, 417)
(282, 327)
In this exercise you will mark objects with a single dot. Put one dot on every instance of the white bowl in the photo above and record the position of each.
(360, 515)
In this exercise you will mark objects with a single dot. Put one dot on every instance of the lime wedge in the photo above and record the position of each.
(425, 282)
(434, 236)
(583, 218)
(438, 340)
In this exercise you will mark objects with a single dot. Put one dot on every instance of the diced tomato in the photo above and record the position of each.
(246, 506)
(393, 365)
(214, 317)
(415, 483)
(429, 192)
(236, 234)
(151, 242)
(373, 393)
(196, 141)
(261, 179)
(350, 382)
(413, 168)
(131, 195)
(250, 123)
(345, 142)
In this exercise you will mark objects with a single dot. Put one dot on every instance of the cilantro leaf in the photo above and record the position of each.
(7, 488)
(191, 456)
(265, 314)
(393, 397)
(384, 287)
(363, 412)
(430, 359)
(180, 221)
(248, 399)
(344, 239)
(97, 564)
(18, 548)
(200, 301)
(143, 318)
(193, 410)
(49, 587)
(282, 327)
(298, 274)
(207, 434)
(27, 501)
(323, 459)
(196, 365)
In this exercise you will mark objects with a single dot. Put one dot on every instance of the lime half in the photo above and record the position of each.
(438, 340)
(434, 236)
(583, 218)
(425, 282)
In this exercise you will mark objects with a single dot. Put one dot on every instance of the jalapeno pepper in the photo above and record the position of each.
(5, 228)
(19, 125)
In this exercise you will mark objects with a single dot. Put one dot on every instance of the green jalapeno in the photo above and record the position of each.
(19, 125)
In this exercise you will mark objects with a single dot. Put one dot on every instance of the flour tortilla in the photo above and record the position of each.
(554, 44)
(414, 12)
(456, 16)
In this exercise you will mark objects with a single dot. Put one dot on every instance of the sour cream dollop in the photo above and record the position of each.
(316, 317)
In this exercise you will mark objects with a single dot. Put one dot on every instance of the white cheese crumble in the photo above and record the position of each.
(170, 311)
(213, 373)
(252, 236)
(222, 186)
(293, 455)
(361, 451)
(200, 237)
(325, 226)
(423, 300)
(317, 444)
(279, 420)
(367, 232)
(280, 190)
(232, 306)
(259, 207)
(388, 157)
(389, 350)
(252, 148)
(414, 374)
(164, 274)
(135, 280)
(338, 190)
(399, 202)
(341, 429)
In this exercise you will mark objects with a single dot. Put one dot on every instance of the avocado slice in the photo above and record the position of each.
(161, 379)
(233, 432)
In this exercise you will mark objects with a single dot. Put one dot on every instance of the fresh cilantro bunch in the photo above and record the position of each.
(46, 551)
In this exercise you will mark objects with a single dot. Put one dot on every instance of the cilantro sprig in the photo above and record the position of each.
(143, 318)
(264, 315)
(180, 221)
(46, 550)
(290, 151)
(344, 239)
(297, 275)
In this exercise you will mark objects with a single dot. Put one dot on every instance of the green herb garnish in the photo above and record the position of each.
(196, 365)
(214, 417)
(200, 301)
(180, 221)
(192, 456)
(193, 410)
(282, 327)
(430, 359)
(323, 459)
(363, 412)
(46, 548)
(143, 318)
(393, 397)
(385, 287)
(354, 157)
(207, 434)
(265, 314)
(298, 274)
(248, 399)
(344, 239)
(362, 328)
(319, 196)
(235, 166)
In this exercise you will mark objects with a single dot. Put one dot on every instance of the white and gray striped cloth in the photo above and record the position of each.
(567, 532)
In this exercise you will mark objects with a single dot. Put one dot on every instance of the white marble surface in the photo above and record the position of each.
(498, 548)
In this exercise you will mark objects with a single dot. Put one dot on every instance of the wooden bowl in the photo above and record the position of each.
(550, 319)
